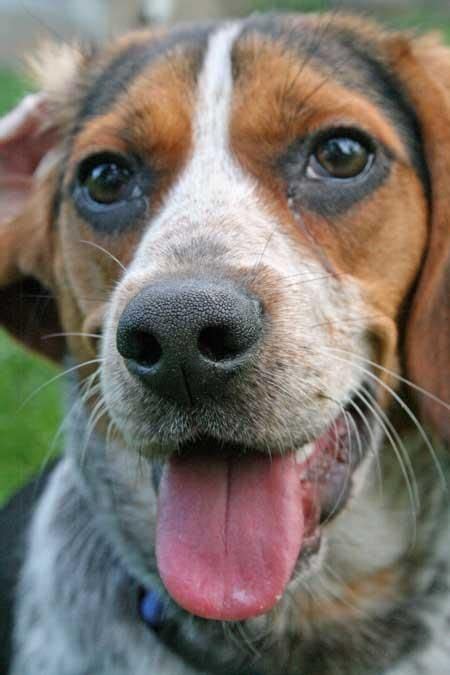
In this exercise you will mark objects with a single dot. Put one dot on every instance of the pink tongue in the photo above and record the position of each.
(229, 533)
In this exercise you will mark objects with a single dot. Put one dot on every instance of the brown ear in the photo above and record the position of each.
(27, 307)
(424, 69)
(30, 147)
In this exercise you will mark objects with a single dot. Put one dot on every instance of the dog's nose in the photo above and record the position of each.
(185, 338)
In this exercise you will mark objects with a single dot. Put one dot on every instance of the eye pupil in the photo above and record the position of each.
(342, 157)
(107, 182)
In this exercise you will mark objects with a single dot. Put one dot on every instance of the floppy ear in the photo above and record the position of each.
(424, 69)
(30, 140)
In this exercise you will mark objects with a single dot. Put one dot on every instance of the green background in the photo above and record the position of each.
(30, 413)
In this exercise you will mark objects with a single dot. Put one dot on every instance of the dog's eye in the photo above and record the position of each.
(106, 180)
(111, 191)
(339, 157)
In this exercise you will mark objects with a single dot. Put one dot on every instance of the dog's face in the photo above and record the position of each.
(253, 216)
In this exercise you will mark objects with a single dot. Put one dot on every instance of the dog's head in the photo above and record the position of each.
(254, 217)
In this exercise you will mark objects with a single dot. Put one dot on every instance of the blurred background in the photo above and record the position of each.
(30, 396)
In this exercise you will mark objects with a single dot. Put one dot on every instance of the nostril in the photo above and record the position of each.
(144, 348)
(218, 343)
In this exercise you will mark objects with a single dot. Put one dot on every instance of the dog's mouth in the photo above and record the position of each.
(234, 524)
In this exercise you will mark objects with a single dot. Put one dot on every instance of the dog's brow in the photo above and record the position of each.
(354, 61)
(118, 75)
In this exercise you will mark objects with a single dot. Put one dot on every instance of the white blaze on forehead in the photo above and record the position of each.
(212, 188)
(215, 90)
(212, 179)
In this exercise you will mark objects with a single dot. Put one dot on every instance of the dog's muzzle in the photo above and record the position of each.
(233, 521)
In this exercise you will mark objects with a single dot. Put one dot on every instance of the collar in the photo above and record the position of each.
(153, 612)
(152, 609)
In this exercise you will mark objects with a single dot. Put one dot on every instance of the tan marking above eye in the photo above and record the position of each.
(273, 107)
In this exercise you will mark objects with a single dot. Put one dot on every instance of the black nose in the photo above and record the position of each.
(185, 338)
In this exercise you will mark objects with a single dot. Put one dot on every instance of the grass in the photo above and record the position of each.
(27, 428)
(291, 5)
(12, 89)
(421, 19)
(27, 431)
(425, 21)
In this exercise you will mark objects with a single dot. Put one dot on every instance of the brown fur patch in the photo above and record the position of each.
(426, 67)
(358, 599)
(152, 120)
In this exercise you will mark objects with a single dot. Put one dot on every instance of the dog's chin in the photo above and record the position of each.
(238, 525)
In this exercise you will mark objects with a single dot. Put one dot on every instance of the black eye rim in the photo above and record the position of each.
(344, 133)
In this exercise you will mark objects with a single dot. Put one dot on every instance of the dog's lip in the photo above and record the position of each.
(326, 464)
(325, 469)
(349, 425)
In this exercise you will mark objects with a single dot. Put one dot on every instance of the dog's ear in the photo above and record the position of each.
(423, 66)
(30, 147)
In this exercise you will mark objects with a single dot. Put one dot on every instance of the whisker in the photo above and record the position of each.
(404, 407)
(57, 335)
(345, 321)
(367, 397)
(49, 454)
(393, 438)
(100, 409)
(90, 390)
(351, 605)
(403, 459)
(373, 444)
(307, 265)
(104, 250)
(247, 640)
(397, 376)
(257, 265)
(58, 377)
(307, 281)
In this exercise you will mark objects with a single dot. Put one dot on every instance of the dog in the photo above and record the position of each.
(236, 238)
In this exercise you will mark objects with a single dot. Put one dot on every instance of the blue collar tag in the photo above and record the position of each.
(153, 612)
(152, 609)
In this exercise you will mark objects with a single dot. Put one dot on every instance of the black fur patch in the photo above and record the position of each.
(112, 82)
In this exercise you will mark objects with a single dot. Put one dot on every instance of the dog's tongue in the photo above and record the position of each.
(229, 532)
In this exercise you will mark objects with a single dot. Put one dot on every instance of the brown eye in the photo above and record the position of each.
(106, 179)
(340, 158)
(107, 182)
(111, 191)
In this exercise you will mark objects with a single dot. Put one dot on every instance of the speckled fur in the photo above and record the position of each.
(80, 580)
